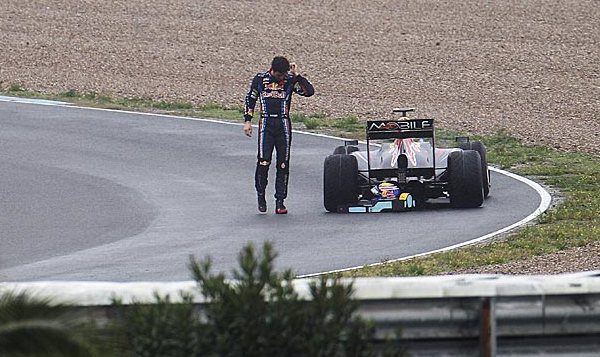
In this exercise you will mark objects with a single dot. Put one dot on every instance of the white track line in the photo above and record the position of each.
(64, 104)
(544, 204)
(31, 101)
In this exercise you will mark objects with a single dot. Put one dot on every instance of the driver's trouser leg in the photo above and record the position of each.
(266, 143)
(283, 142)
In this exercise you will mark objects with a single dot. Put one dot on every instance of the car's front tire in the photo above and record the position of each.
(340, 181)
(341, 150)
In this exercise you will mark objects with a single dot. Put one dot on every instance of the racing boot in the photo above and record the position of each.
(262, 203)
(280, 208)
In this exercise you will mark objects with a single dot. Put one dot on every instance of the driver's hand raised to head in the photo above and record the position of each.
(294, 69)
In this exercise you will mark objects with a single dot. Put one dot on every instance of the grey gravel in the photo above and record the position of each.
(567, 261)
(529, 67)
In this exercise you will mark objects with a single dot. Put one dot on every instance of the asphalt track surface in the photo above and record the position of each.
(113, 196)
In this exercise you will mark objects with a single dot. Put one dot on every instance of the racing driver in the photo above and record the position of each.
(274, 88)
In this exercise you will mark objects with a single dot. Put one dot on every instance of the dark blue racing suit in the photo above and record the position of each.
(274, 126)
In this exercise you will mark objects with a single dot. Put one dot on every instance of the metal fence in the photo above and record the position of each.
(460, 315)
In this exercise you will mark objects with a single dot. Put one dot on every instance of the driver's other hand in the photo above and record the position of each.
(248, 129)
(294, 68)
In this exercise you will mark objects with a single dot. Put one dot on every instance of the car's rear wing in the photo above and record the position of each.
(399, 129)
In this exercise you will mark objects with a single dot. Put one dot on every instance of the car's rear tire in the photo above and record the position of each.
(465, 180)
(485, 172)
(341, 150)
(340, 181)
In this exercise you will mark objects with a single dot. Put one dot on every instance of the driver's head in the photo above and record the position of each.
(280, 67)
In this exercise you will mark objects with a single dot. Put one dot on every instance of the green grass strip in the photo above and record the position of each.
(96, 100)
(348, 126)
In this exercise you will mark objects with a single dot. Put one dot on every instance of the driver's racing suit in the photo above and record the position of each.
(274, 126)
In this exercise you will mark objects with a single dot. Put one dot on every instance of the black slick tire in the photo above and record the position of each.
(340, 181)
(485, 172)
(464, 184)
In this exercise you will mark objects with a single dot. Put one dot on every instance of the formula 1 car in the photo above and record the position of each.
(405, 170)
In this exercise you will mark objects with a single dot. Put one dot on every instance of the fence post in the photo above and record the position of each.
(488, 327)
